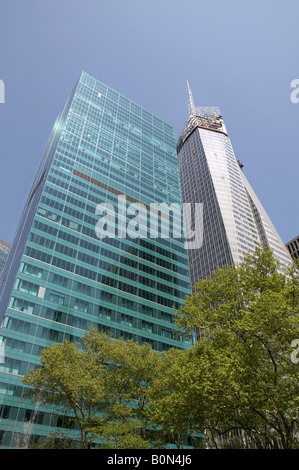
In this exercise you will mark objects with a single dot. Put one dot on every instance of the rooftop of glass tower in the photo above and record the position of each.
(207, 117)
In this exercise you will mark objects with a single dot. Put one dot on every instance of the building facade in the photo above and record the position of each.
(4, 250)
(293, 247)
(234, 221)
(74, 263)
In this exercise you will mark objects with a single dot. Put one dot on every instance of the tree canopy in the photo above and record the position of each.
(247, 318)
(237, 386)
(102, 384)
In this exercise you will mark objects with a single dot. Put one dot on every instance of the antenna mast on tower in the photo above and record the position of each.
(191, 106)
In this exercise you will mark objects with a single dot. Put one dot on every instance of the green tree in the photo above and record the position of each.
(71, 378)
(172, 409)
(102, 385)
(130, 372)
(247, 318)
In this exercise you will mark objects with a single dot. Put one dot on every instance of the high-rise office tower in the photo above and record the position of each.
(234, 221)
(107, 161)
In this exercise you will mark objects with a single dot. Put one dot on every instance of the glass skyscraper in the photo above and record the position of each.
(62, 275)
(234, 221)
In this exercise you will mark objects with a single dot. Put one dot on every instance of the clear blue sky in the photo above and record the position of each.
(240, 56)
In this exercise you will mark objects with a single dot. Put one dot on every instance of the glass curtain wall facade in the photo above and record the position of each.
(61, 277)
(234, 221)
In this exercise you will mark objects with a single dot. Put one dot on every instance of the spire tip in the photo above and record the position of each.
(191, 106)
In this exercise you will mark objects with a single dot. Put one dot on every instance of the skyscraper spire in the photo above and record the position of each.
(191, 106)
(234, 221)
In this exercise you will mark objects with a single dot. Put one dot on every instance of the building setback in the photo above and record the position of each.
(62, 276)
(234, 221)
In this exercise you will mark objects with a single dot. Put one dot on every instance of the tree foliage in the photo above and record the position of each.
(237, 386)
(73, 380)
(102, 385)
(247, 318)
